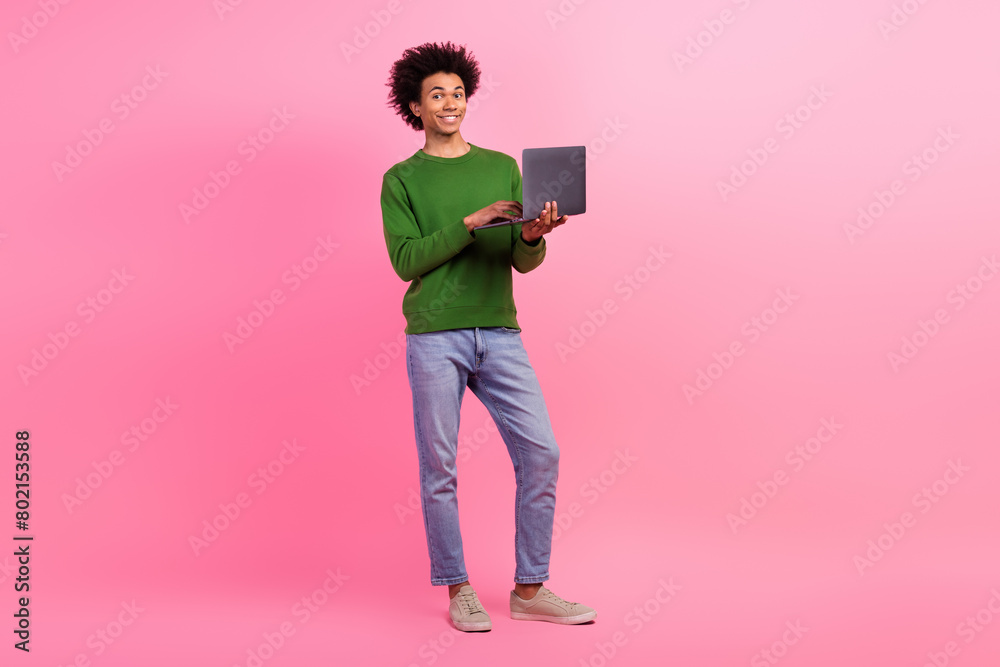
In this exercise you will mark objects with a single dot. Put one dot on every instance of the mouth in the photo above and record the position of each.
(449, 119)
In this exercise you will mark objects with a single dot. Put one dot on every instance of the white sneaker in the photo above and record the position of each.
(547, 606)
(467, 614)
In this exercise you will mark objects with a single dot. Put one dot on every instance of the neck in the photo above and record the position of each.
(450, 145)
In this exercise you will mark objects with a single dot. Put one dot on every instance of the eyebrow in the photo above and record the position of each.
(440, 88)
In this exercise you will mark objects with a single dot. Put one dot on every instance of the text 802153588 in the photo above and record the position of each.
(22, 507)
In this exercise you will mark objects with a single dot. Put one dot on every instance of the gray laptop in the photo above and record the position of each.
(556, 174)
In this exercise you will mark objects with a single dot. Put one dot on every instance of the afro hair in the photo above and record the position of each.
(408, 74)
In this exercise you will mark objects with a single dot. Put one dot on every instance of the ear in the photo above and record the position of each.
(415, 108)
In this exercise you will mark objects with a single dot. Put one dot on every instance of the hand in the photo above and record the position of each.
(500, 209)
(535, 229)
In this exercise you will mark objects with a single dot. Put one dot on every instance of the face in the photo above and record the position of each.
(442, 103)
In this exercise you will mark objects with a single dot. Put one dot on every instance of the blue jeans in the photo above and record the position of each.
(492, 362)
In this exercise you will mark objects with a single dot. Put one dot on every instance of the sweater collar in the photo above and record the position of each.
(473, 150)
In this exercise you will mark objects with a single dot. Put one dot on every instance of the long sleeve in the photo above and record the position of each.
(412, 254)
(523, 257)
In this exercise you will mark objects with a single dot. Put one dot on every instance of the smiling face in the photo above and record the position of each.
(442, 104)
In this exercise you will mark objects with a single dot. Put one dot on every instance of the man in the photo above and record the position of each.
(461, 326)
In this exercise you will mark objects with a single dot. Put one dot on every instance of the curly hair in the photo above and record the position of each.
(408, 74)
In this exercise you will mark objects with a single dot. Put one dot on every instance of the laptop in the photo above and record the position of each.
(556, 174)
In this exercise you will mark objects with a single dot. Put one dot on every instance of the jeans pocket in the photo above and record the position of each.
(509, 330)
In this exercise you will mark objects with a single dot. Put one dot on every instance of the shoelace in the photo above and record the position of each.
(552, 597)
(470, 602)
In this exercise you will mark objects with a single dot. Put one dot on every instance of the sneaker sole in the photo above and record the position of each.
(562, 620)
(473, 627)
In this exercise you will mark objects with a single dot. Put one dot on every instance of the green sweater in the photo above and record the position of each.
(457, 279)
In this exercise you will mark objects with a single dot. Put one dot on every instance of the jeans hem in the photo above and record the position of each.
(451, 581)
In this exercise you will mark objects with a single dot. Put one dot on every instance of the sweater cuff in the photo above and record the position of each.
(531, 248)
(458, 236)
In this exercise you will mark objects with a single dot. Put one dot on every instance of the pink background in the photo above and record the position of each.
(661, 137)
